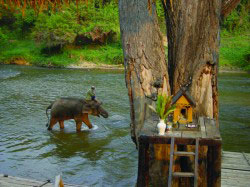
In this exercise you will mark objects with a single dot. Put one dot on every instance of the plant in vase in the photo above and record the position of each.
(163, 108)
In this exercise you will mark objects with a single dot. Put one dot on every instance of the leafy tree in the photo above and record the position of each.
(62, 27)
(239, 19)
(24, 24)
(58, 28)
(3, 37)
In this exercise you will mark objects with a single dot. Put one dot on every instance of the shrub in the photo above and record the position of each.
(239, 19)
(62, 27)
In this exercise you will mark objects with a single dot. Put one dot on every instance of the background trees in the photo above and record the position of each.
(61, 34)
(68, 39)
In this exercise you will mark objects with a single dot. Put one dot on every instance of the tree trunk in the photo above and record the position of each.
(228, 6)
(193, 32)
(144, 57)
(193, 50)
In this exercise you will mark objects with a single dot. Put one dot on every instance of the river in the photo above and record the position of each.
(104, 156)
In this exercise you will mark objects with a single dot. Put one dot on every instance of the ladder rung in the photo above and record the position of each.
(183, 153)
(183, 174)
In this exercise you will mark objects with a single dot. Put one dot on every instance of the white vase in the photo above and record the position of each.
(161, 127)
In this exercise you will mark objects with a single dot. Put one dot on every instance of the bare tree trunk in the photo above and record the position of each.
(193, 37)
(144, 57)
(193, 30)
(193, 52)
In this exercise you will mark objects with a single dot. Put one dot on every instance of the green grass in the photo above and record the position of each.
(29, 51)
(106, 54)
(18, 49)
(235, 51)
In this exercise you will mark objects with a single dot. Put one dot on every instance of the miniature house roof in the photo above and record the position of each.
(185, 94)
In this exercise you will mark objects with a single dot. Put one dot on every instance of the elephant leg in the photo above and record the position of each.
(78, 125)
(61, 123)
(86, 120)
(52, 123)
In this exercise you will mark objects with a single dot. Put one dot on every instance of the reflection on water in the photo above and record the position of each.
(101, 157)
(27, 149)
(234, 95)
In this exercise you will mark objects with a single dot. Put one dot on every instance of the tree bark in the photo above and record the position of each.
(144, 57)
(193, 33)
(228, 6)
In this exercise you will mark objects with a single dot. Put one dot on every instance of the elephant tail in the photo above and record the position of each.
(49, 107)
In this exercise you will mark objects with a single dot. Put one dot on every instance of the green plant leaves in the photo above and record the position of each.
(164, 106)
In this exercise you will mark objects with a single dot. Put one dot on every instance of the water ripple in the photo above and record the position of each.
(27, 149)
(6, 74)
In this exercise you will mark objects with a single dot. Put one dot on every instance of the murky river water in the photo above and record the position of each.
(104, 156)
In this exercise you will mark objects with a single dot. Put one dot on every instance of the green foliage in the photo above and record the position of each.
(15, 25)
(24, 24)
(51, 29)
(16, 49)
(164, 106)
(59, 28)
(105, 18)
(3, 37)
(62, 27)
(235, 51)
(7, 17)
(30, 51)
(235, 42)
(58, 60)
(161, 16)
(107, 54)
(239, 20)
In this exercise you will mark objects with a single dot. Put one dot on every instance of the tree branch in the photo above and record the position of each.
(228, 6)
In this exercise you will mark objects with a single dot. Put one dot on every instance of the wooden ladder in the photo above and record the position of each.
(183, 153)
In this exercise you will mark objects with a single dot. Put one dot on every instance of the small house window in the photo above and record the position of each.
(184, 112)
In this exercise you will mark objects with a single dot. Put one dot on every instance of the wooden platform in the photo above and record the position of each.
(11, 181)
(155, 156)
(235, 170)
(206, 130)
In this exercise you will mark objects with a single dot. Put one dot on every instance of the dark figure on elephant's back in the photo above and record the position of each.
(74, 108)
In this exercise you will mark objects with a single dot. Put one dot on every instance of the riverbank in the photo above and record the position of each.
(120, 67)
(89, 65)
(235, 51)
(79, 65)
(234, 55)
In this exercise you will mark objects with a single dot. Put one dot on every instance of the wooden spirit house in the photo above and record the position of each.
(181, 156)
(183, 113)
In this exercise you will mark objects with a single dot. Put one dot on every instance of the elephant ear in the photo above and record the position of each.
(95, 104)
(87, 108)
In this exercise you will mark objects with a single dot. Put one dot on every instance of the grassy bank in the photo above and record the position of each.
(27, 51)
(72, 34)
(234, 53)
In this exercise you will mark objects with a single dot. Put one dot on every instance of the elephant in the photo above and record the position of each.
(74, 108)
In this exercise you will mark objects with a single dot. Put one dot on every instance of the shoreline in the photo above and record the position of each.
(89, 65)
(100, 66)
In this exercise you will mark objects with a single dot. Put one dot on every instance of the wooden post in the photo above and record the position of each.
(143, 164)
(214, 166)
